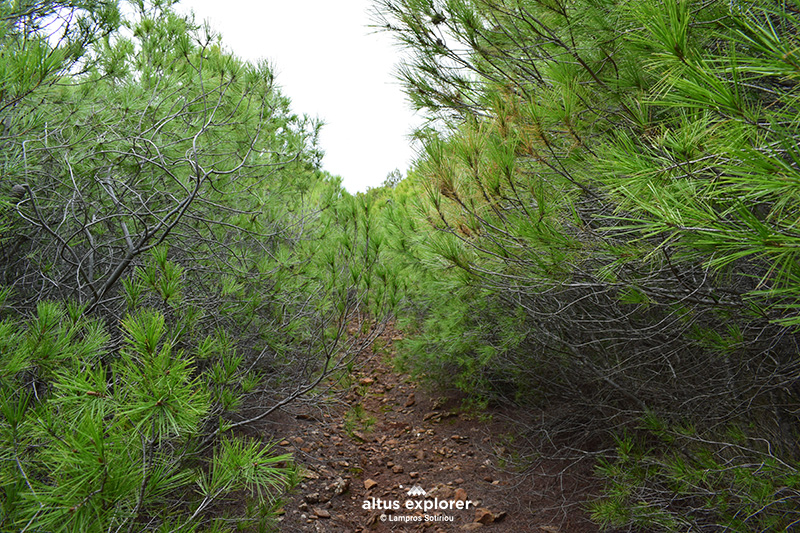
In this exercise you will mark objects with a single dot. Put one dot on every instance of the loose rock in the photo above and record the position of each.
(411, 400)
(486, 517)
(339, 486)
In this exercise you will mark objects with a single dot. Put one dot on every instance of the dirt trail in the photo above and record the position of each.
(390, 436)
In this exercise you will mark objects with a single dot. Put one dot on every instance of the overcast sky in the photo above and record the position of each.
(332, 66)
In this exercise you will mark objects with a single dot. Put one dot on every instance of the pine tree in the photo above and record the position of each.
(608, 199)
(190, 267)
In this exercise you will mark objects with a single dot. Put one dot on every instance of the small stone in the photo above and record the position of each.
(411, 400)
(420, 455)
(339, 486)
(461, 495)
(472, 526)
(312, 498)
(303, 506)
(441, 491)
(484, 516)
(397, 469)
(322, 513)
(369, 483)
(459, 481)
(413, 475)
(284, 442)
(297, 440)
(366, 381)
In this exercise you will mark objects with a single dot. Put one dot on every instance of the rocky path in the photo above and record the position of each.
(394, 457)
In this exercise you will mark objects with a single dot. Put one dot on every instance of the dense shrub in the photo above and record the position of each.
(176, 264)
(607, 196)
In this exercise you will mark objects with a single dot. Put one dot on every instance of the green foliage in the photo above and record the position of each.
(167, 189)
(216, 159)
(739, 487)
(356, 420)
(606, 195)
(168, 173)
(112, 441)
(42, 40)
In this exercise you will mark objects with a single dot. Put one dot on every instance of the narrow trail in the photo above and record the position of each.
(395, 457)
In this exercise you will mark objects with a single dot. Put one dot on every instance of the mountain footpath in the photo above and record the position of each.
(387, 454)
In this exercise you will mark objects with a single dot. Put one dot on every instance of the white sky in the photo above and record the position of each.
(332, 66)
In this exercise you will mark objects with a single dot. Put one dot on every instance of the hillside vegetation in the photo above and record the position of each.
(603, 223)
(601, 226)
(175, 266)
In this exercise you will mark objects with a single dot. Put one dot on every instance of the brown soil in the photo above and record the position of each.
(388, 435)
